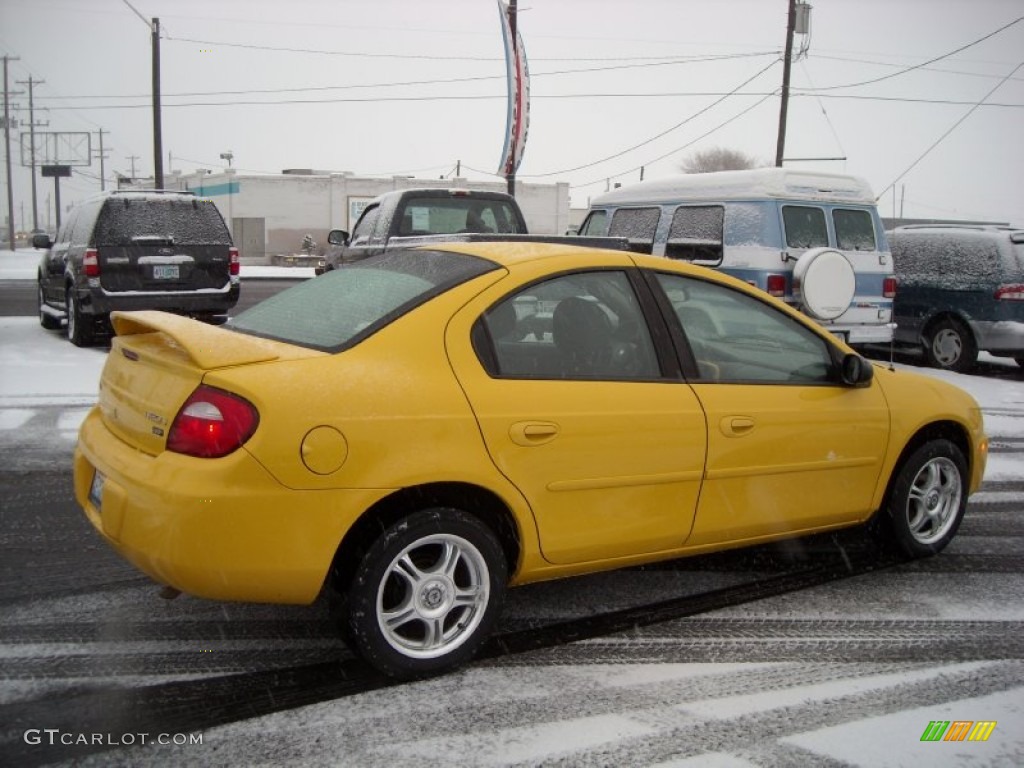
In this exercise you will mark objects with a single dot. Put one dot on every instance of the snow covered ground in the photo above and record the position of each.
(528, 711)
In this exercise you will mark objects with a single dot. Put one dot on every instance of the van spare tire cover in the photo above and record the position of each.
(827, 283)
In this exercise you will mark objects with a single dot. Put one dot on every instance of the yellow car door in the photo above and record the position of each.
(790, 447)
(576, 411)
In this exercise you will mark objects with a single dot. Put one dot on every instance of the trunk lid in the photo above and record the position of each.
(157, 360)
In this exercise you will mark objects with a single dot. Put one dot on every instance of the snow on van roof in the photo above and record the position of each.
(756, 184)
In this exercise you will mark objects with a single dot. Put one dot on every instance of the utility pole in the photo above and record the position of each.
(132, 159)
(102, 155)
(786, 66)
(158, 144)
(512, 13)
(7, 154)
(32, 145)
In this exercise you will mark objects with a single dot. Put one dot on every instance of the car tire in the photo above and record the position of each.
(950, 345)
(928, 499)
(426, 594)
(81, 327)
(48, 321)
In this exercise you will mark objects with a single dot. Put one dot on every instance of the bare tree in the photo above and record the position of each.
(719, 159)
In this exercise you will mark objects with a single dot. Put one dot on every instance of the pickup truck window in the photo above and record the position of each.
(437, 216)
(364, 227)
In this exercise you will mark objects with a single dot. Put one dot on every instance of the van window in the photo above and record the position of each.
(805, 226)
(854, 230)
(636, 224)
(696, 234)
(946, 260)
(595, 224)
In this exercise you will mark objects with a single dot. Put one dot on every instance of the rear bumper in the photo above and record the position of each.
(865, 334)
(1002, 337)
(206, 301)
(222, 529)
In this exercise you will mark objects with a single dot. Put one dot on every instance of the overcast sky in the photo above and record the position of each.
(383, 87)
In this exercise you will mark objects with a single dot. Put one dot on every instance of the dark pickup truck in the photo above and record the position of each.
(411, 217)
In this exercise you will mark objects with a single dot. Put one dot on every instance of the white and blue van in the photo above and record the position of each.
(813, 239)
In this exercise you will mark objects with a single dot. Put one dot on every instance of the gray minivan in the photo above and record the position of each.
(961, 291)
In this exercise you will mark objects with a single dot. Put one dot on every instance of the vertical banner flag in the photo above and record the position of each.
(518, 117)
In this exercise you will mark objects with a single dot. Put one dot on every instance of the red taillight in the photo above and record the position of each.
(889, 288)
(776, 285)
(91, 262)
(212, 423)
(1010, 292)
(233, 263)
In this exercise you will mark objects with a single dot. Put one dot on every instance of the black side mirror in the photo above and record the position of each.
(337, 237)
(856, 371)
(41, 241)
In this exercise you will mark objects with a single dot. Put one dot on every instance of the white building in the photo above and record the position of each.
(270, 214)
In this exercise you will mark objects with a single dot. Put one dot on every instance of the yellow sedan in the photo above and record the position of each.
(418, 431)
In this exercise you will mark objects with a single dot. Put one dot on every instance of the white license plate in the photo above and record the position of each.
(165, 272)
(96, 491)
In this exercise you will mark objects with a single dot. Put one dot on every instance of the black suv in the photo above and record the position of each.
(130, 250)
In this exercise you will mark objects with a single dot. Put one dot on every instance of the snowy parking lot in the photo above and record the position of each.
(848, 669)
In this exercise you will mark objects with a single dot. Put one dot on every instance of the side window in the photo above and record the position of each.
(805, 226)
(596, 224)
(737, 338)
(696, 234)
(855, 230)
(64, 234)
(81, 232)
(586, 325)
(636, 224)
(363, 232)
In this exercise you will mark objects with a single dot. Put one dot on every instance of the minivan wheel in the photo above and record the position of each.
(426, 594)
(81, 327)
(48, 321)
(928, 499)
(950, 345)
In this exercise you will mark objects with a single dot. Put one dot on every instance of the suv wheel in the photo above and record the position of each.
(48, 321)
(81, 328)
(950, 345)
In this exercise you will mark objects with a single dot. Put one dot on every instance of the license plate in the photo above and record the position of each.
(165, 272)
(96, 491)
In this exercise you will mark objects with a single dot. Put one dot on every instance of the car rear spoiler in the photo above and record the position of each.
(208, 346)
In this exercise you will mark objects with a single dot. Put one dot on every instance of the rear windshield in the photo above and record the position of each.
(344, 306)
(182, 222)
(452, 215)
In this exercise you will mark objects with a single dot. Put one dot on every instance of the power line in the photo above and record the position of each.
(684, 146)
(440, 81)
(951, 129)
(656, 136)
(924, 64)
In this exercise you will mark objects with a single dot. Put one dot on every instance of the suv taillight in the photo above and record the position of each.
(776, 285)
(889, 288)
(91, 262)
(212, 423)
(1010, 292)
(233, 262)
